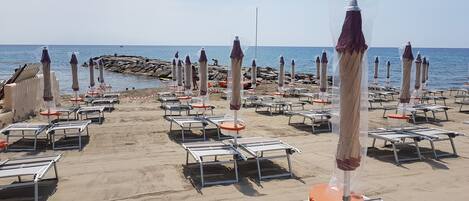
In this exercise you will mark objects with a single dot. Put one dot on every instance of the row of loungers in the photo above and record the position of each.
(412, 136)
(256, 148)
(414, 110)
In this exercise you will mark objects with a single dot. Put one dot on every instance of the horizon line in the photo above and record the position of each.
(166, 45)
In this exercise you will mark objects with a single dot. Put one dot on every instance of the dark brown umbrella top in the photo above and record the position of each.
(376, 60)
(418, 59)
(282, 61)
(188, 60)
(45, 56)
(351, 38)
(408, 52)
(425, 60)
(179, 63)
(174, 61)
(253, 63)
(203, 56)
(292, 62)
(324, 57)
(74, 59)
(91, 62)
(176, 55)
(236, 52)
(318, 60)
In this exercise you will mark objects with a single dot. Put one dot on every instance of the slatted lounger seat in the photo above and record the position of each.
(93, 110)
(108, 103)
(433, 109)
(437, 135)
(272, 105)
(24, 130)
(70, 129)
(178, 108)
(169, 100)
(69, 111)
(35, 167)
(317, 118)
(310, 96)
(397, 138)
(462, 103)
(201, 151)
(258, 147)
(434, 99)
(187, 123)
(112, 95)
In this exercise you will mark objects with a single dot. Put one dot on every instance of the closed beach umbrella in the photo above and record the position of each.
(45, 60)
(74, 64)
(91, 66)
(179, 73)
(236, 63)
(253, 74)
(351, 48)
(323, 77)
(101, 71)
(407, 59)
(188, 76)
(281, 74)
(203, 71)
(388, 72)
(173, 70)
(318, 67)
(176, 55)
(427, 70)
(292, 71)
(418, 73)
(375, 76)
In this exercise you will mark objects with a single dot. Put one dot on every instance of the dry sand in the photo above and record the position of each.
(133, 157)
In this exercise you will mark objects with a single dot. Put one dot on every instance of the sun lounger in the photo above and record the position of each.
(112, 95)
(108, 103)
(295, 91)
(317, 118)
(179, 108)
(250, 100)
(35, 167)
(24, 130)
(201, 151)
(434, 99)
(69, 111)
(168, 100)
(187, 123)
(70, 129)
(462, 104)
(397, 138)
(272, 105)
(437, 135)
(87, 111)
(433, 109)
(256, 147)
(310, 96)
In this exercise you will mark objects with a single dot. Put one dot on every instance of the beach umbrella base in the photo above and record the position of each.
(324, 192)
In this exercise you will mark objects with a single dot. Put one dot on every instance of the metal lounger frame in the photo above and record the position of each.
(17, 127)
(192, 149)
(37, 176)
(182, 122)
(79, 126)
(434, 136)
(90, 110)
(396, 140)
(312, 116)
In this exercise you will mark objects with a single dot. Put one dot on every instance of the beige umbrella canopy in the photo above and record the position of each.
(375, 76)
(407, 59)
(236, 63)
(281, 74)
(91, 66)
(179, 73)
(203, 71)
(253, 73)
(323, 78)
(45, 60)
(188, 75)
(74, 64)
(173, 70)
(292, 71)
(318, 67)
(351, 48)
(418, 73)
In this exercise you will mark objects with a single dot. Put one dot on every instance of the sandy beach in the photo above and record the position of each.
(132, 156)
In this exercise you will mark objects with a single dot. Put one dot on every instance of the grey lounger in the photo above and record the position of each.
(179, 108)
(437, 135)
(397, 138)
(37, 167)
(187, 123)
(69, 128)
(317, 118)
(24, 130)
(272, 105)
(69, 111)
(201, 151)
(99, 110)
(108, 103)
(462, 103)
(257, 146)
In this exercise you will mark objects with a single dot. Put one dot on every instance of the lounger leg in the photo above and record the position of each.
(36, 191)
(203, 131)
(396, 158)
(55, 170)
(453, 146)
(374, 142)
(182, 133)
(236, 170)
(289, 163)
(312, 126)
(187, 157)
(446, 114)
(259, 169)
(433, 149)
(79, 140)
(201, 173)
(418, 149)
(35, 141)
(289, 120)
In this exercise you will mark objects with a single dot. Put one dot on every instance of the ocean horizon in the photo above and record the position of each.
(449, 67)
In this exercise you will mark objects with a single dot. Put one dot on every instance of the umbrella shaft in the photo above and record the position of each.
(346, 196)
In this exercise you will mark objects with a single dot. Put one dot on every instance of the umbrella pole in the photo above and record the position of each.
(76, 98)
(235, 121)
(346, 196)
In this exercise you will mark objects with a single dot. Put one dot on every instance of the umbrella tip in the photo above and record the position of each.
(236, 52)
(254, 62)
(179, 62)
(292, 62)
(237, 38)
(389, 63)
(408, 43)
(376, 59)
(203, 56)
(45, 55)
(282, 61)
(353, 6)
(318, 60)
(324, 57)
(74, 59)
(188, 60)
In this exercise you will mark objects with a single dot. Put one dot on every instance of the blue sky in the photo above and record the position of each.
(427, 23)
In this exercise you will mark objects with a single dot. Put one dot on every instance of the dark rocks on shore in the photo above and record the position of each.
(138, 65)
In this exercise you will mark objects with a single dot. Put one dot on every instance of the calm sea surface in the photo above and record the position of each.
(448, 67)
